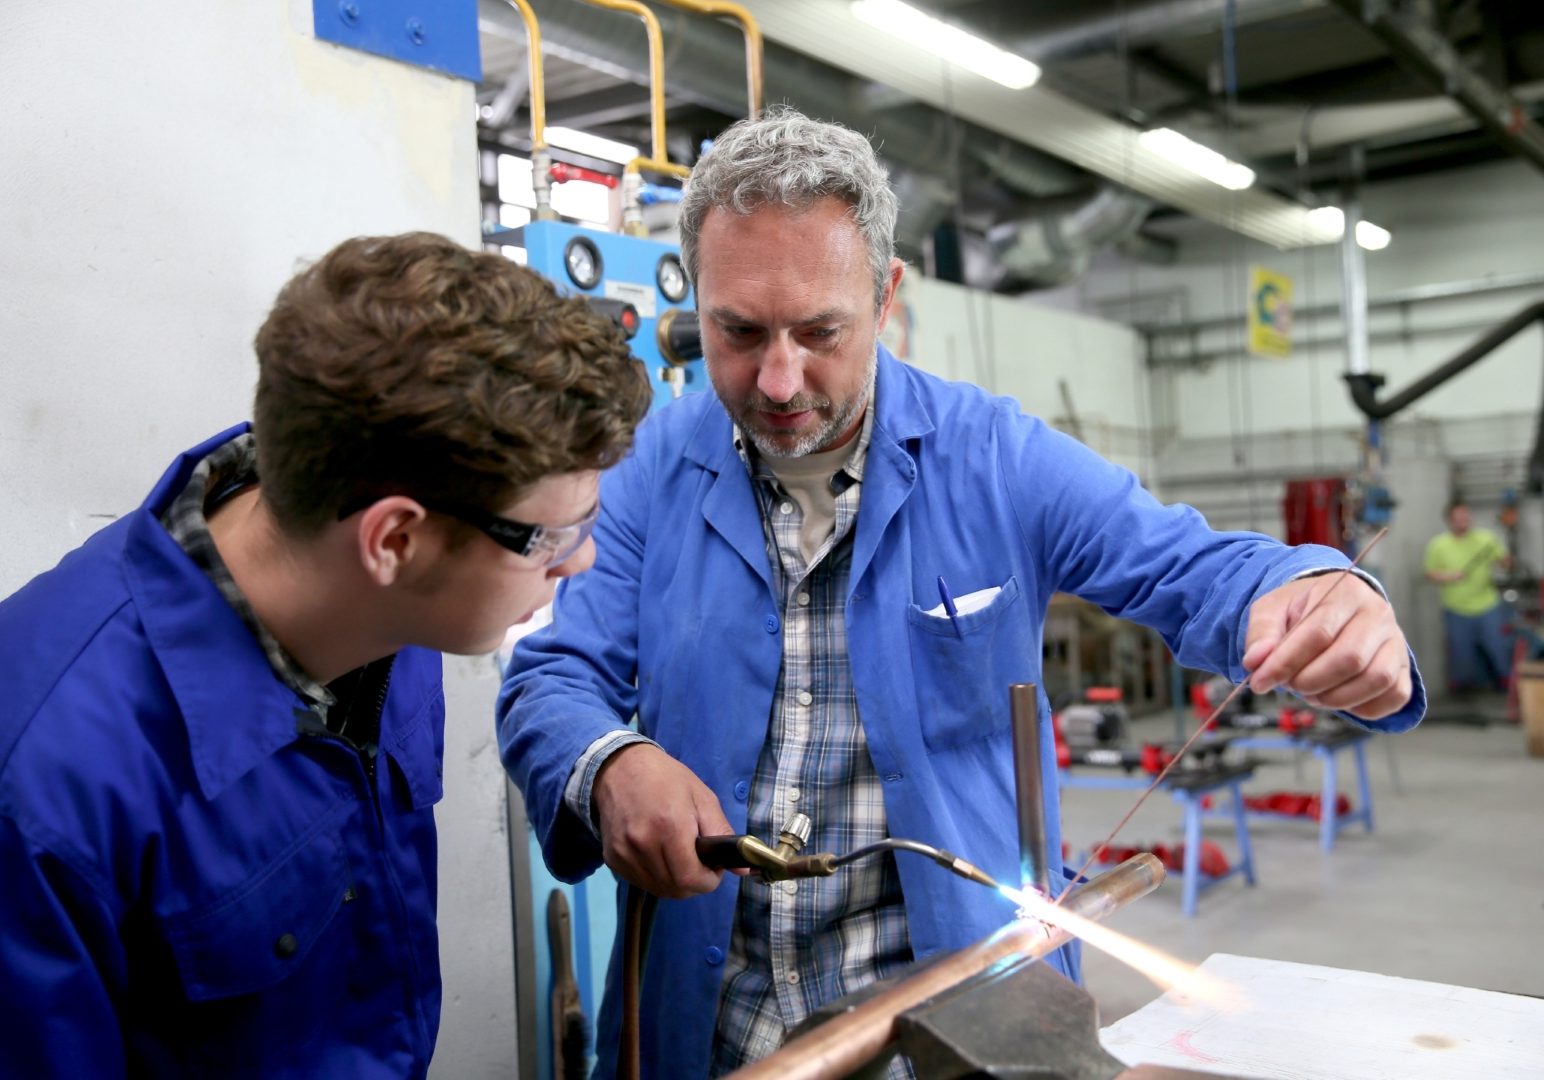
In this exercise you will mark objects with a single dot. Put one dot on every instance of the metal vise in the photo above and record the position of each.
(1024, 1021)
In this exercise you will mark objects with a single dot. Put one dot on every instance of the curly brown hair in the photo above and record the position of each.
(412, 365)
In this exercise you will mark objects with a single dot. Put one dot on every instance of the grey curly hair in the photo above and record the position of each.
(785, 157)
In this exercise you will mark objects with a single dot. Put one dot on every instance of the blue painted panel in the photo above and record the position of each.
(592, 906)
(436, 34)
(628, 268)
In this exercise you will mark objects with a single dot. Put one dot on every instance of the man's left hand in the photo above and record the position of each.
(1348, 654)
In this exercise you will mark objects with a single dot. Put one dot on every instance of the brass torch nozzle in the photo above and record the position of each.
(771, 864)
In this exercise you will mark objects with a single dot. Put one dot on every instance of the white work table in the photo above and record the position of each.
(1303, 1022)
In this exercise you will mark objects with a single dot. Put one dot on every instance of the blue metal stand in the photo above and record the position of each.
(1191, 797)
(1325, 748)
(1190, 790)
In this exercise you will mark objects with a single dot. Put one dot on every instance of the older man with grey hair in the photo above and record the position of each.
(766, 602)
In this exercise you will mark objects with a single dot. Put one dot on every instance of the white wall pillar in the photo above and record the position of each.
(163, 169)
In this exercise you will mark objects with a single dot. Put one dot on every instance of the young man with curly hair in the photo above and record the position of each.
(221, 742)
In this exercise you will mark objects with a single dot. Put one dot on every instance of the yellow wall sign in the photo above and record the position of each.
(1270, 313)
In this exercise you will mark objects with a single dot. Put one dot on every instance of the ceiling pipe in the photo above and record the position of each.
(754, 49)
(1364, 387)
(1422, 48)
(930, 154)
(1353, 269)
(707, 69)
(1165, 21)
(536, 80)
(658, 159)
(1420, 294)
(656, 69)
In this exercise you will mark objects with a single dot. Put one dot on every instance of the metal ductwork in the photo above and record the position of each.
(1053, 249)
(927, 201)
(926, 149)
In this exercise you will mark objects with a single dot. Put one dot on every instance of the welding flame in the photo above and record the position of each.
(1168, 972)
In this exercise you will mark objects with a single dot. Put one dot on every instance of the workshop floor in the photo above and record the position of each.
(1450, 888)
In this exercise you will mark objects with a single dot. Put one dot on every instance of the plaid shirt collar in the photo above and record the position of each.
(230, 467)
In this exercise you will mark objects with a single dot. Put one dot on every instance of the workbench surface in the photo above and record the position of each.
(1303, 1022)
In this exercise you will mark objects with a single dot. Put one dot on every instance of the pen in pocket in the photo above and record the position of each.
(948, 602)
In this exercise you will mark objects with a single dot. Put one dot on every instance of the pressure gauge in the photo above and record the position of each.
(581, 258)
(671, 276)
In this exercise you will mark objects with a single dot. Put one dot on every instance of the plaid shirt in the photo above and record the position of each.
(228, 468)
(800, 944)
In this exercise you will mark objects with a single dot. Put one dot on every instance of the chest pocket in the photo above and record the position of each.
(962, 676)
(263, 931)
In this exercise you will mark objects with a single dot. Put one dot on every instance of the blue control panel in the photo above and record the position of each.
(645, 273)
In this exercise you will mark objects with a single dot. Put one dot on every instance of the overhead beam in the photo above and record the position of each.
(1133, 27)
(1037, 116)
(1422, 49)
(707, 70)
(612, 105)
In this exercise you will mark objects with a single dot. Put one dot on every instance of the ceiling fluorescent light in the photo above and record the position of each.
(950, 42)
(1372, 237)
(582, 142)
(1201, 160)
(1330, 223)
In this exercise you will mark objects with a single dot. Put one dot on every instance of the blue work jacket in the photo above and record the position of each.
(191, 887)
(677, 622)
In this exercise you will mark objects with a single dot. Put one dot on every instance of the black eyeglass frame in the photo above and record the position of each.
(547, 545)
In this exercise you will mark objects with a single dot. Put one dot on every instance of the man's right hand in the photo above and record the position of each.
(652, 809)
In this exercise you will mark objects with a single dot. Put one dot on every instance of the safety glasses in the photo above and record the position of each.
(544, 545)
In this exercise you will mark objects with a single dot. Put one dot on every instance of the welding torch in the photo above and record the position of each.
(780, 863)
(784, 862)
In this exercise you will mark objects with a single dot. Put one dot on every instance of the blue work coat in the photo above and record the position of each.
(191, 887)
(677, 622)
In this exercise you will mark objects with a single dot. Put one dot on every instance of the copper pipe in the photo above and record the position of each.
(537, 79)
(657, 160)
(541, 183)
(658, 165)
(640, 914)
(656, 70)
(1029, 788)
(753, 46)
(632, 188)
(841, 1045)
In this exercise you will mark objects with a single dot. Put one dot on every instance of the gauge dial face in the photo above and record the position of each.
(582, 261)
(671, 277)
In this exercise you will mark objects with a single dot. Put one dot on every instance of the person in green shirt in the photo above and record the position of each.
(1460, 561)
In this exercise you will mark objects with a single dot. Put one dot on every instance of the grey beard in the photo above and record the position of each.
(826, 434)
